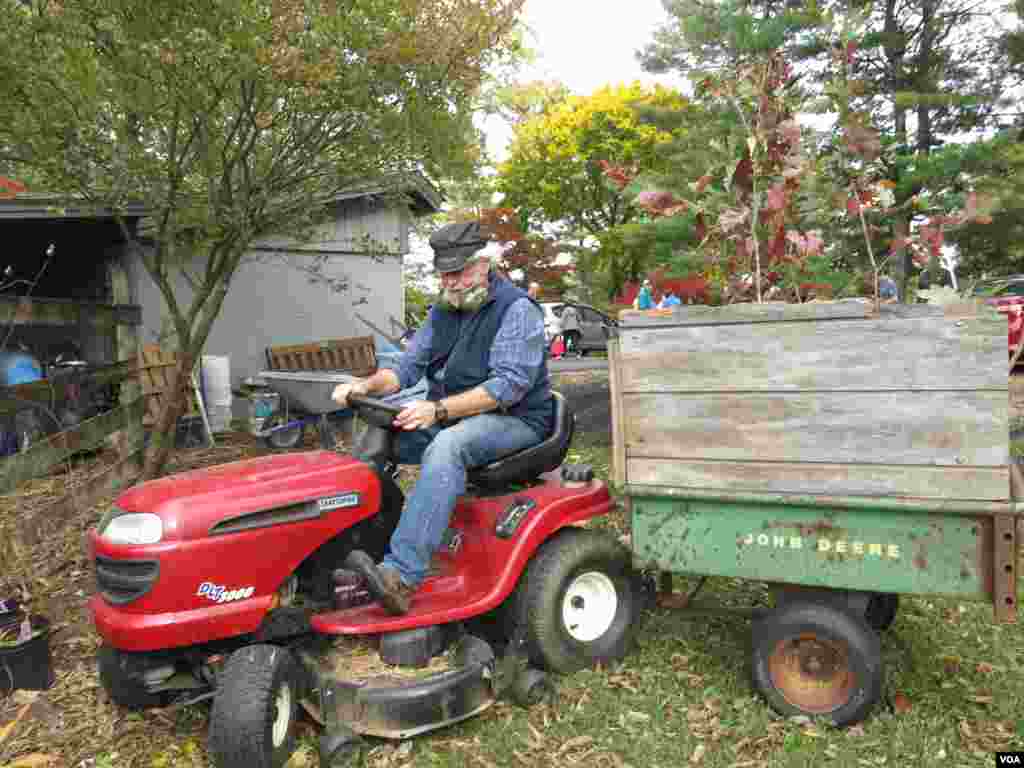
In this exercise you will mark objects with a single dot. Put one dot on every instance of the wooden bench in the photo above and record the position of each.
(356, 355)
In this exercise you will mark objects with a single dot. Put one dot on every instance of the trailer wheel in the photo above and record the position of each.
(818, 660)
(252, 722)
(881, 610)
(578, 602)
(283, 439)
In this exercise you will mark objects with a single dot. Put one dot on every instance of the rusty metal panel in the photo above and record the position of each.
(867, 549)
(1004, 568)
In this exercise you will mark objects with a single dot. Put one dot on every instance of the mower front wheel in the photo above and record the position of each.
(578, 602)
(252, 723)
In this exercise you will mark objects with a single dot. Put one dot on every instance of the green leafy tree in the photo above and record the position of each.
(554, 175)
(235, 120)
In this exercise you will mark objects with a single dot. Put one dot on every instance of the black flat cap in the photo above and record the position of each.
(454, 244)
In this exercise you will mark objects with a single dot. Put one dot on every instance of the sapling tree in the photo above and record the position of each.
(235, 120)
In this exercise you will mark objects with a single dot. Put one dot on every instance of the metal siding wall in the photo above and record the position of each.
(273, 301)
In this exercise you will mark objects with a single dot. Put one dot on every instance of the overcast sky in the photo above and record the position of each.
(585, 44)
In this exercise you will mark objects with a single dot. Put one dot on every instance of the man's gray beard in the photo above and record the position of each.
(463, 301)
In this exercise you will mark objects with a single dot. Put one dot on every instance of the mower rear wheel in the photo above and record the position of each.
(283, 439)
(121, 676)
(578, 602)
(252, 723)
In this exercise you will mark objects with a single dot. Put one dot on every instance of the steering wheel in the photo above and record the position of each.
(377, 412)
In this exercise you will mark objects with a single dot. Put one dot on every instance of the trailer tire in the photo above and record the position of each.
(578, 602)
(815, 659)
(121, 676)
(284, 439)
(252, 722)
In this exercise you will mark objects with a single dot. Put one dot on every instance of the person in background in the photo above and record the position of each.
(887, 290)
(669, 300)
(571, 330)
(644, 299)
(482, 351)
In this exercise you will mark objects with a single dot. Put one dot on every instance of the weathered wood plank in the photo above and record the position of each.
(942, 428)
(45, 455)
(769, 312)
(777, 311)
(16, 310)
(618, 413)
(835, 479)
(922, 353)
(49, 391)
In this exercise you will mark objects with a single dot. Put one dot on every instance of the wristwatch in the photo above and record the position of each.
(440, 412)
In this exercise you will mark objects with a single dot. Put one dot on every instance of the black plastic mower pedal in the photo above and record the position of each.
(413, 647)
(350, 590)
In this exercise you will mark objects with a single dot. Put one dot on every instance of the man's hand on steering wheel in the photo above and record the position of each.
(417, 415)
(342, 391)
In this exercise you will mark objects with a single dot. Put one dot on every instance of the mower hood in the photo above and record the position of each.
(242, 494)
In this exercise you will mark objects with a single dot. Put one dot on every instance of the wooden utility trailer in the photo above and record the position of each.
(842, 454)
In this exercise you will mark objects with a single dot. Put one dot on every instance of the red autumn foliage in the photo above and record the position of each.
(9, 187)
(534, 255)
(691, 289)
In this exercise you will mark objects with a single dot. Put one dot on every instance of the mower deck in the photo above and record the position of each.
(359, 693)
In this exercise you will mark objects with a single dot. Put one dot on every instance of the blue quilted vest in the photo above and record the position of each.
(461, 346)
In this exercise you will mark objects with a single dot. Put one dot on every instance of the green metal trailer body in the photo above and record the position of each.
(868, 549)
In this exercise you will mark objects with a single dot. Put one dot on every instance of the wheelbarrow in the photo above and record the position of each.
(306, 399)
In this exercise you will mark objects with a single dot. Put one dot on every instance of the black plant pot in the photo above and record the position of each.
(28, 665)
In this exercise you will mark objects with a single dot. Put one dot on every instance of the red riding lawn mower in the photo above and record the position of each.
(223, 584)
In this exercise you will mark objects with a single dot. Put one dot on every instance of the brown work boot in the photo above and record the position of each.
(383, 583)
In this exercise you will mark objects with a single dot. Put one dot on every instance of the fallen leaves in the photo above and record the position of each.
(35, 760)
(901, 704)
(6, 730)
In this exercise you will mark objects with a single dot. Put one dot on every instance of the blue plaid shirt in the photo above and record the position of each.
(516, 354)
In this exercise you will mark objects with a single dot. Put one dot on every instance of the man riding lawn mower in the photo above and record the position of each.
(224, 583)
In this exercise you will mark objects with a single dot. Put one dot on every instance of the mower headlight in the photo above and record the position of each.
(133, 528)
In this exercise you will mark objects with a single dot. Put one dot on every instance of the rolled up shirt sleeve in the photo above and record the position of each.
(516, 353)
(412, 365)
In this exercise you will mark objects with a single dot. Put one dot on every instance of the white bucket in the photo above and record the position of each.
(216, 380)
(220, 417)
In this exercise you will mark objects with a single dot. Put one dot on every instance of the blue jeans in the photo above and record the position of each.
(446, 455)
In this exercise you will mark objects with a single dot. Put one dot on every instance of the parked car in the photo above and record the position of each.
(592, 324)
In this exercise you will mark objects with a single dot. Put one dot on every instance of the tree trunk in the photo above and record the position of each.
(164, 431)
(926, 76)
(189, 350)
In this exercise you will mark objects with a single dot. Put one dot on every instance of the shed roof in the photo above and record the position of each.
(53, 205)
(424, 196)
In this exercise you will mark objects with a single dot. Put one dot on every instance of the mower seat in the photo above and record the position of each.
(530, 463)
